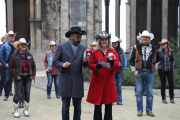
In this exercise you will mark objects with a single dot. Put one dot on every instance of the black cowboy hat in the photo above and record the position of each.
(75, 30)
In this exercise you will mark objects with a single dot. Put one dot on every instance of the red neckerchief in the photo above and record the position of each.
(166, 51)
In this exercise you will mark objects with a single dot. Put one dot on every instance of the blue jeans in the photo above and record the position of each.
(65, 108)
(148, 77)
(50, 78)
(23, 84)
(119, 80)
(7, 83)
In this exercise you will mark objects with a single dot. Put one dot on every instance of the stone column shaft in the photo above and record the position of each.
(128, 27)
(10, 21)
(149, 15)
(133, 22)
(117, 18)
(164, 19)
(32, 25)
(100, 15)
(38, 25)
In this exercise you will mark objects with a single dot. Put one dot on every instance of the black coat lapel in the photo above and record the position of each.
(69, 48)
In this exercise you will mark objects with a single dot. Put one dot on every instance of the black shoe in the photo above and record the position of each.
(5, 98)
(10, 93)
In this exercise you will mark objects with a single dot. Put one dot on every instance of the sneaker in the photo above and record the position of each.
(48, 97)
(150, 114)
(5, 98)
(119, 103)
(57, 96)
(140, 113)
(10, 93)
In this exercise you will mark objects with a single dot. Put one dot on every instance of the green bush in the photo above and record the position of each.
(86, 74)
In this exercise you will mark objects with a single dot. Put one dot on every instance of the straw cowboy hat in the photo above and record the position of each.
(93, 44)
(21, 40)
(146, 33)
(2, 38)
(164, 41)
(10, 33)
(116, 39)
(75, 30)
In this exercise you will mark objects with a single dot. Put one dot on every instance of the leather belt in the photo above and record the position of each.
(144, 69)
(24, 73)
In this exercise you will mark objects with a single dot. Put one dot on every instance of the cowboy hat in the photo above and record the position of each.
(93, 44)
(164, 41)
(10, 33)
(103, 34)
(116, 39)
(146, 33)
(52, 43)
(75, 30)
(2, 38)
(139, 36)
(21, 40)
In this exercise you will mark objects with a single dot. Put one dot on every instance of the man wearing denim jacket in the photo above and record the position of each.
(5, 52)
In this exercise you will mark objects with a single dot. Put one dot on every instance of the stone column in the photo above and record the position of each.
(38, 25)
(100, 15)
(128, 26)
(164, 19)
(97, 19)
(64, 19)
(32, 26)
(107, 3)
(89, 23)
(10, 21)
(133, 23)
(149, 15)
(78, 15)
(117, 18)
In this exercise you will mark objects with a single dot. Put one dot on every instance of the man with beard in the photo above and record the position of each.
(6, 51)
(142, 61)
(69, 59)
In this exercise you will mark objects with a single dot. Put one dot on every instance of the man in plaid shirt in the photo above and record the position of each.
(51, 71)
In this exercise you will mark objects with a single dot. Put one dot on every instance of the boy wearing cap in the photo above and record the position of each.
(142, 61)
(51, 71)
(6, 51)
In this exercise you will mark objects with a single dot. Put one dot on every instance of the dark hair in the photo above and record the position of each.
(119, 50)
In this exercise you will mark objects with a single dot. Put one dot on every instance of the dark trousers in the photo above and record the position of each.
(98, 112)
(25, 82)
(6, 81)
(1, 79)
(169, 74)
(65, 108)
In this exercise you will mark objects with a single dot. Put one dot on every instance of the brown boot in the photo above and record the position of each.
(164, 101)
(172, 101)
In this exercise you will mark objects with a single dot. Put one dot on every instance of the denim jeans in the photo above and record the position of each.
(119, 80)
(50, 78)
(6, 82)
(98, 112)
(65, 108)
(148, 77)
(25, 82)
(21, 99)
(169, 74)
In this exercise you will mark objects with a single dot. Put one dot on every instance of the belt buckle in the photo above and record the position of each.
(144, 69)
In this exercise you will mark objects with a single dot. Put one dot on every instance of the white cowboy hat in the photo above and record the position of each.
(52, 43)
(146, 33)
(116, 39)
(3, 37)
(139, 36)
(21, 40)
(164, 41)
(93, 44)
(10, 33)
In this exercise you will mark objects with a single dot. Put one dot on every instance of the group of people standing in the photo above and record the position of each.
(107, 63)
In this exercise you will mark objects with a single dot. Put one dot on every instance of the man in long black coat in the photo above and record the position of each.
(69, 59)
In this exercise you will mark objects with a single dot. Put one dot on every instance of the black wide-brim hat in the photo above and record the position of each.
(75, 30)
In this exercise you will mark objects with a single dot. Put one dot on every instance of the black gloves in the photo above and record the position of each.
(98, 67)
(111, 62)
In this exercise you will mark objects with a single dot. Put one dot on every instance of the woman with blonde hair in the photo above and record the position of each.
(22, 67)
(103, 64)
(166, 65)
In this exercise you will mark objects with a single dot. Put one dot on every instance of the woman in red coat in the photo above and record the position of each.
(102, 88)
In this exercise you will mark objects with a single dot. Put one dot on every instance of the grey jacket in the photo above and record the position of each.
(71, 78)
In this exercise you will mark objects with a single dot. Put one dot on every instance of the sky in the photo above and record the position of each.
(111, 20)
